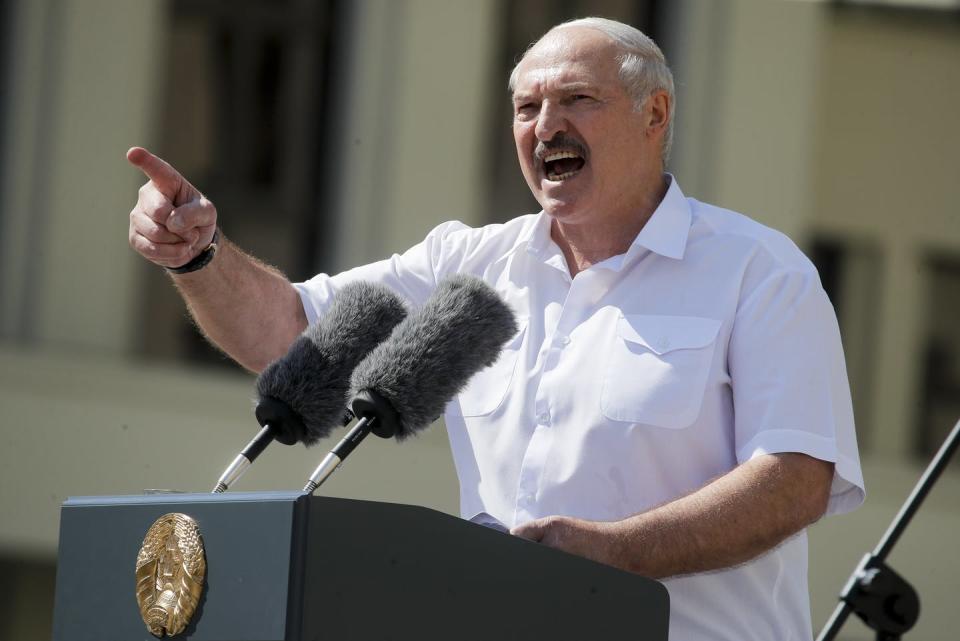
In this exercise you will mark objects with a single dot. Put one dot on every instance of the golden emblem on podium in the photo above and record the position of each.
(170, 571)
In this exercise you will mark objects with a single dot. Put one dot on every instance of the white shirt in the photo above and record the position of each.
(710, 341)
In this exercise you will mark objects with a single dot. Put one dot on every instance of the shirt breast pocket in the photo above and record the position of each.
(487, 388)
(657, 369)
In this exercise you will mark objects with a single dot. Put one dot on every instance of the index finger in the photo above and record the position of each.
(167, 179)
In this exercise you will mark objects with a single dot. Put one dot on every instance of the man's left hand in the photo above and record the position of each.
(594, 540)
(731, 520)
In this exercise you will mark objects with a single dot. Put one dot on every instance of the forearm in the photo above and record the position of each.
(248, 309)
(729, 521)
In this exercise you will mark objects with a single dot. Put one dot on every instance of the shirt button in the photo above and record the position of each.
(664, 343)
(544, 418)
(564, 340)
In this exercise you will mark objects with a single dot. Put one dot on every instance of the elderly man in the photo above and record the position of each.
(675, 403)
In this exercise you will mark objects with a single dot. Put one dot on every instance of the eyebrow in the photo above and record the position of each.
(575, 86)
(567, 88)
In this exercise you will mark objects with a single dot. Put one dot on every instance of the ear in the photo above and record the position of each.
(657, 113)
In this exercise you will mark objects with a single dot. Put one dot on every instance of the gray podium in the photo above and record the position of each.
(284, 566)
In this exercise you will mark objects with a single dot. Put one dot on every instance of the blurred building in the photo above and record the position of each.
(333, 133)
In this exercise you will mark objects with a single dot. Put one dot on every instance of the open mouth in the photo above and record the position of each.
(562, 165)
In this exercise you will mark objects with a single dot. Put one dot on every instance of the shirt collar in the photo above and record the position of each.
(536, 237)
(665, 233)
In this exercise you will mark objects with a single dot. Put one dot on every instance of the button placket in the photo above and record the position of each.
(534, 459)
(583, 294)
(530, 472)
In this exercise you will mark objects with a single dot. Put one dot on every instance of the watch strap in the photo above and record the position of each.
(202, 259)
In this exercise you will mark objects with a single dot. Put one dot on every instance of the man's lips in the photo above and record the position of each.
(561, 158)
(562, 165)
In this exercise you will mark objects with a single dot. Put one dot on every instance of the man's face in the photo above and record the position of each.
(583, 148)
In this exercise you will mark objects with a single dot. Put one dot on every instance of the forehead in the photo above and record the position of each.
(572, 56)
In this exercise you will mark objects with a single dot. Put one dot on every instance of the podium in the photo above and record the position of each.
(286, 566)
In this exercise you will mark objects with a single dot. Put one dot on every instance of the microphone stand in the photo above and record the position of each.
(335, 457)
(883, 599)
(273, 424)
(244, 459)
(376, 415)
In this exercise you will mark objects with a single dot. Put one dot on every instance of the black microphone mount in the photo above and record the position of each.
(883, 599)
(376, 414)
(279, 422)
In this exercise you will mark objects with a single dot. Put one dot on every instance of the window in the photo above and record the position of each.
(940, 370)
(848, 271)
(6, 19)
(242, 118)
(523, 23)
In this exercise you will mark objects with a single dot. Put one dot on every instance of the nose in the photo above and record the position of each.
(550, 121)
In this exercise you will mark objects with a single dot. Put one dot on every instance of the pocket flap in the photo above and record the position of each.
(662, 334)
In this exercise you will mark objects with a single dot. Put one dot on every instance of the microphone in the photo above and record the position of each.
(403, 385)
(303, 396)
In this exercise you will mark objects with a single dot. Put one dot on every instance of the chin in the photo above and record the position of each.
(561, 200)
(563, 211)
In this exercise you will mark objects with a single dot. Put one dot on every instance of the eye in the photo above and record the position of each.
(525, 109)
(580, 97)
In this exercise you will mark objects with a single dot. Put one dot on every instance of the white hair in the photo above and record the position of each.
(643, 68)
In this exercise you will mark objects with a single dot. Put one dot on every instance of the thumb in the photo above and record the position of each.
(167, 179)
(532, 530)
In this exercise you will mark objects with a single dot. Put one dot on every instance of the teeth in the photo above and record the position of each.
(560, 155)
(559, 177)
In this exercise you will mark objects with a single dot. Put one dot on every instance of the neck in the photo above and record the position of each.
(586, 244)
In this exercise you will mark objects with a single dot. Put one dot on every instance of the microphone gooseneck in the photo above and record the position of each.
(335, 457)
(243, 460)
(303, 396)
(403, 385)
(376, 414)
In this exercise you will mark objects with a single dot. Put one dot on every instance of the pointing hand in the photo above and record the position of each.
(172, 221)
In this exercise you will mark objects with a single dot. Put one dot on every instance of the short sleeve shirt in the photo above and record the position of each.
(708, 342)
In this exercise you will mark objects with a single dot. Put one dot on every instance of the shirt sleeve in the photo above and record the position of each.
(789, 379)
(413, 275)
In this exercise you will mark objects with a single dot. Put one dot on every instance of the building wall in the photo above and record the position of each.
(885, 176)
(81, 92)
(839, 124)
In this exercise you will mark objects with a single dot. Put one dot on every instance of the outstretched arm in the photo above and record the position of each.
(248, 309)
(731, 520)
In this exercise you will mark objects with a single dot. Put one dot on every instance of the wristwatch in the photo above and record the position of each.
(202, 259)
